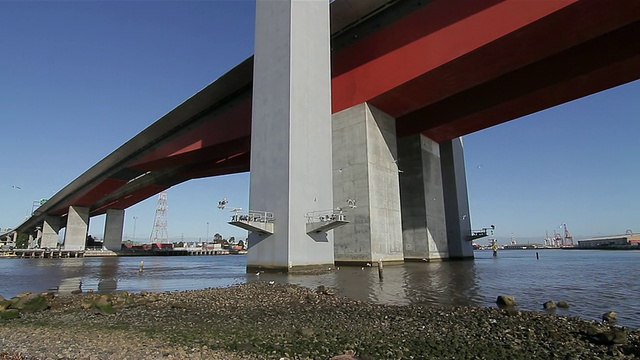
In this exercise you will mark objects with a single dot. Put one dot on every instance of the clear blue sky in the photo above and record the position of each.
(78, 79)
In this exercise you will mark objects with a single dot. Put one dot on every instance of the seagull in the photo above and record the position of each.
(16, 187)
(271, 282)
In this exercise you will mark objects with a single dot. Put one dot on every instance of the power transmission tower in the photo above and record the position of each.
(160, 234)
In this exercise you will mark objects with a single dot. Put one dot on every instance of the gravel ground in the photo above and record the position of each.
(271, 321)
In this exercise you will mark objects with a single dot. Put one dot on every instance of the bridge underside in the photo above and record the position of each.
(441, 68)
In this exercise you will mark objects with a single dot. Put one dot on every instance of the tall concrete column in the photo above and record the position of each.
(365, 170)
(456, 199)
(424, 227)
(15, 237)
(291, 133)
(50, 230)
(113, 228)
(75, 237)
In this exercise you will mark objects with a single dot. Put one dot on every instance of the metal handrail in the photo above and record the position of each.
(254, 215)
(325, 215)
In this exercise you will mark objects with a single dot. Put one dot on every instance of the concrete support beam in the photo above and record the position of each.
(50, 230)
(456, 199)
(113, 228)
(423, 205)
(15, 237)
(75, 237)
(291, 133)
(365, 170)
(38, 239)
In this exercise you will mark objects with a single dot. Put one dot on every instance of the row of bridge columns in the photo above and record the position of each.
(410, 192)
(77, 227)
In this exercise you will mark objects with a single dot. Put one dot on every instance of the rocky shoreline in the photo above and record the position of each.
(272, 321)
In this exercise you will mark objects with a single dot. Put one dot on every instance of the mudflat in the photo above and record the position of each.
(272, 321)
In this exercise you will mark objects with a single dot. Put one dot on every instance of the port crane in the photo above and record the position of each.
(568, 239)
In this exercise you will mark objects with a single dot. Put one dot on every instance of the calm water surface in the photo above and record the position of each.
(592, 281)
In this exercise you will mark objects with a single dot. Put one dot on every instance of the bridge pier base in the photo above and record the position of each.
(291, 134)
(456, 199)
(50, 230)
(113, 228)
(365, 170)
(423, 205)
(75, 236)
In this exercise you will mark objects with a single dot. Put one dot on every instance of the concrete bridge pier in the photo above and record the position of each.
(291, 134)
(11, 237)
(75, 237)
(365, 172)
(424, 228)
(34, 241)
(113, 229)
(456, 199)
(50, 230)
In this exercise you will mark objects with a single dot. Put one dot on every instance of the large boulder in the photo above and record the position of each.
(102, 307)
(610, 316)
(607, 336)
(23, 294)
(615, 336)
(563, 304)
(505, 300)
(9, 314)
(31, 303)
(549, 305)
(4, 304)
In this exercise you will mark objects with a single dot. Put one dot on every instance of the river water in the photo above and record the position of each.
(592, 281)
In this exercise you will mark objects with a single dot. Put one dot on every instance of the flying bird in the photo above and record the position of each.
(16, 187)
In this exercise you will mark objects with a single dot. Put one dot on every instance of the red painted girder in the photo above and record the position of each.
(432, 48)
(211, 153)
(224, 126)
(131, 199)
(567, 27)
(600, 64)
(90, 196)
(233, 164)
(598, 80)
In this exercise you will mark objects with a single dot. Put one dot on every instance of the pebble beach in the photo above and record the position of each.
(272, 321)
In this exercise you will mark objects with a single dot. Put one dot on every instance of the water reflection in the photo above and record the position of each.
(108, 281)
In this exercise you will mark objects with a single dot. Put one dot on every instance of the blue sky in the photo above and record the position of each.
(78, 79)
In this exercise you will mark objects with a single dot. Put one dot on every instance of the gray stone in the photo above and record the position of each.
(9, 314)
(549, 305)
(506, 300)
(610, 316)
(102, 307)
(563, 304)
(31, 303)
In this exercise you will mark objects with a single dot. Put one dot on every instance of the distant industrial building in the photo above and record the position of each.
(627, 239)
